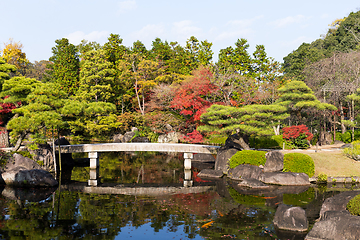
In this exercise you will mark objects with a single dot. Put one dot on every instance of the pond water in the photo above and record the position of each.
(209, 210)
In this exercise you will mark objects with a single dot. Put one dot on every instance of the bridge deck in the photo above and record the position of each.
(140, 147)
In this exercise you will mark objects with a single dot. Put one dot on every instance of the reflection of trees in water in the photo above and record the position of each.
(143, 167)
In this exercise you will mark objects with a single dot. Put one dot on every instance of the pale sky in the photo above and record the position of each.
(280, 25)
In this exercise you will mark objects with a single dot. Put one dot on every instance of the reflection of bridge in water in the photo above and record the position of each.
(94, 149)
(139, 190)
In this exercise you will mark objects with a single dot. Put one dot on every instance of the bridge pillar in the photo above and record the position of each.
(187, 169)
(94, 169)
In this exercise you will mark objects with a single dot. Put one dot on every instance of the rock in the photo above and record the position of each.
(291, 218)
(117, 138)
(128, 136)
(171, 137)
(168, 128)
(337, 202)
(245, 171)
(140, 140)
(44, 153)
(233, 141)
(253, 183)
(18, 161)
(274, 161)
(325, 138)
(134, 129)
(28, 194)
(336, 225)
(203, 157)
(21, 171)
(285, 178)
(210, 173)
(223, 157)
(21, 177)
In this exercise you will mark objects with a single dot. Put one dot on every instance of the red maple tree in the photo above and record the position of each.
(193, 96)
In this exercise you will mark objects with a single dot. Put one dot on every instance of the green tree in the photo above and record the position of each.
(5, 70)
(96, 77)
(65, 67)
(41, 112)
(13, 54)
(248, 120)
(296, 96)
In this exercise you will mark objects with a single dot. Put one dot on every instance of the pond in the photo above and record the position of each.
(209, 210)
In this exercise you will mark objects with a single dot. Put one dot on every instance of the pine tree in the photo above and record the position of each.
(248, 120)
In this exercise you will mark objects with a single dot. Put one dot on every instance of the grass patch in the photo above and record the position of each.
(334, 164)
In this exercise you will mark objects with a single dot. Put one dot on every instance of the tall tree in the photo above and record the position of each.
(296, 96)
(5, 70)
(65, 67)
(96, 77)
(13, 54)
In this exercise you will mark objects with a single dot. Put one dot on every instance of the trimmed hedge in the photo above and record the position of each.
(353, 206)
(251, 157)
(299, 163)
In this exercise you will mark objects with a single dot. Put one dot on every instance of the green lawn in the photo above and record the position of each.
(333, 163)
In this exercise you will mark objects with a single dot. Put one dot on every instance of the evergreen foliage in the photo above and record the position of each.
(353, 206)
(299, 163)
(248, 120)
(65, 67)
(251, 157)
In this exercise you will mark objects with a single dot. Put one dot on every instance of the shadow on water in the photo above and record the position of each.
(164, 209)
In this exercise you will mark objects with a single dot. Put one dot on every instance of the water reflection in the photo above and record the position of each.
(217, 210)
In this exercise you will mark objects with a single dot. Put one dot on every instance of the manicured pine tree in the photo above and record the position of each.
(248, 120)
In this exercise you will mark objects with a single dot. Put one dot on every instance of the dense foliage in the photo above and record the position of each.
(251, 157)
(353, 206)
(170, 87)
(299, 163)
(298, 136)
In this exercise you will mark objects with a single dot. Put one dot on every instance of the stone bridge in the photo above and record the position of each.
(94, 149)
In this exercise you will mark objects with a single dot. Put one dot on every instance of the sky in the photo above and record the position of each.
(280, 25)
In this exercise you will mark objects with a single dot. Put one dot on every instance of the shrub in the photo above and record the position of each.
(251, 157)
(353, 205)
(353, 151)
(297, 135)
(273, 142)
(299, 163)
(322, 178)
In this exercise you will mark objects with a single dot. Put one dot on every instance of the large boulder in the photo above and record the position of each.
(171, 137)
(286, 178)
(336, 225)
(274, 161)
(337, 202)
(23, 172)
(223, 157)
(44, 153)
(27, 194)
(117, 138)
(291, 218)
(128, 136)
(245, 171)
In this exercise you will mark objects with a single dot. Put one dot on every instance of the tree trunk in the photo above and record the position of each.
(342, 117)
(20, 139)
